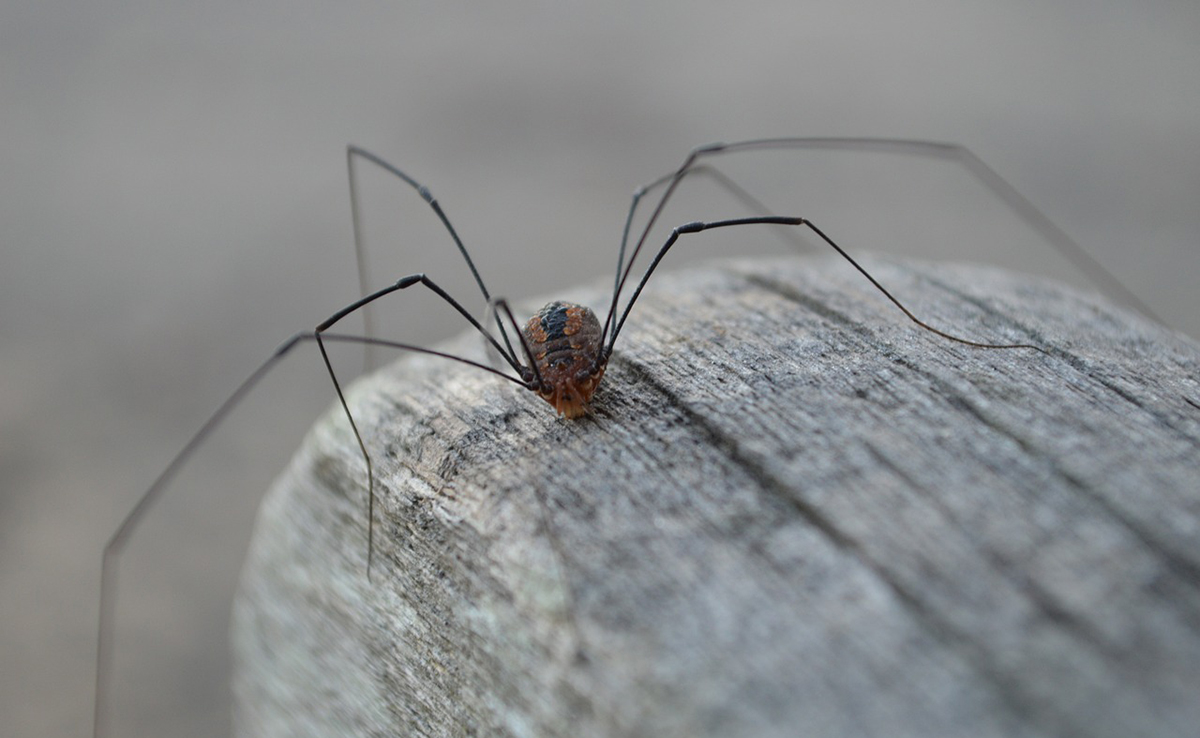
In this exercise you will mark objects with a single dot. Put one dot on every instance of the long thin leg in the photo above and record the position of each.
(1006, 192)
(409, 281)
(402, 283)
(116, 544)
(697, 226)
(355, 152)
(360, 257)
(724, 181)
(500, 304)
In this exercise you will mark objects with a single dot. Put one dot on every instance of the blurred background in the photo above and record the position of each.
(173, 204)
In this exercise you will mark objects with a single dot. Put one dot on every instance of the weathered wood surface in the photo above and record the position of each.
(791, 513)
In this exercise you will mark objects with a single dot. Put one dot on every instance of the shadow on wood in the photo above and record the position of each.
(791, 512)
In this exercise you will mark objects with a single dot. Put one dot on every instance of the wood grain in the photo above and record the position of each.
(791, 512)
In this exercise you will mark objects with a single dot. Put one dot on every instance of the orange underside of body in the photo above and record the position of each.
(569, 398)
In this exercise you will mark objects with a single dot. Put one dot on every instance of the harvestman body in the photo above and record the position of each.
(565, 348)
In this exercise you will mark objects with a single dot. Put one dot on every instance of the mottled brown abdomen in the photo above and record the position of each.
(565, 341)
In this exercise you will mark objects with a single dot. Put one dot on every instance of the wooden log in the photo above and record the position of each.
(791, 512)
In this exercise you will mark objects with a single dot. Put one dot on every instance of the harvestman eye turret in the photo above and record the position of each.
(565, 348)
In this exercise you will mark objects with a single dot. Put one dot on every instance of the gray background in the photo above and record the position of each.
(173, 204)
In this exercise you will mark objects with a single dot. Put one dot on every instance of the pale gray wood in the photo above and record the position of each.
(792, 512)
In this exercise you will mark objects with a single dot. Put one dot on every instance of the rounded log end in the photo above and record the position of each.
(789, 511)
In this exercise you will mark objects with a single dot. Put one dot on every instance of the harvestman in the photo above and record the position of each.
(564, 348)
